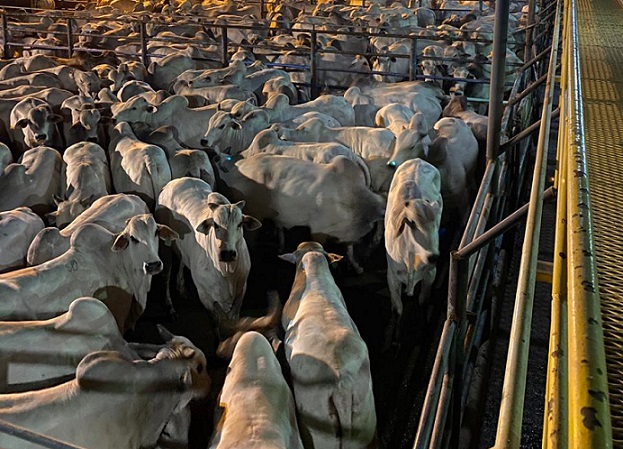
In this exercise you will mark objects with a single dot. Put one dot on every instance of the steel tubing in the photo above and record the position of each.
(513, 391)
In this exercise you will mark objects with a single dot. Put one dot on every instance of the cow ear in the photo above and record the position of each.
(164, 333)
(240, 204)
(166, 233)
(57, 199)
(56, 118)
(205, 225)
(250, 223)
(333, 258)
(188, 352)
(289, 257)
(235, 124)
(121, 242)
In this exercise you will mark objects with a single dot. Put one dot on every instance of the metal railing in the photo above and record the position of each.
(577, 388)
(313, 68)
(480, 248)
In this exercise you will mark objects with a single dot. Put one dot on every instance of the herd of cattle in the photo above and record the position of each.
(131, 166)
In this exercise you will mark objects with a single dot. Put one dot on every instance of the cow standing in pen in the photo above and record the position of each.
(412, 220)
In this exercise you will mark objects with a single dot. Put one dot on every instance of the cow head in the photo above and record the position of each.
(419, 212)
(140, 240)
(233, 135)
(306, 247)
(226, 223)
(412, 142)
(37, 121)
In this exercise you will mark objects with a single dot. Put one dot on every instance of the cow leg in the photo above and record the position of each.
(179, 281)
(427, 283)
(350, 256)
(166, 255)
(392, 332)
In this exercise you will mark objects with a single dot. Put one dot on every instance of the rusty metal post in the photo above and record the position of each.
(496, 87)
(413, 59)
(144, 55)
(224, 54)
(5, 35)
(70, 37)
(313, 63)
(529, 30)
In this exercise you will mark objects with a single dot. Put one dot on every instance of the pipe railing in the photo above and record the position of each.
(143, 41)
(463, 329)
(577, 387)
(513, 391)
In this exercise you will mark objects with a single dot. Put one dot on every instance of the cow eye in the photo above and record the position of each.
(134, 239)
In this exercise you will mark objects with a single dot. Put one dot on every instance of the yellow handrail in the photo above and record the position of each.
(577, 411)
(513, 391)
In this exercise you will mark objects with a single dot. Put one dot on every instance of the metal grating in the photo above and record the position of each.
(601, 64)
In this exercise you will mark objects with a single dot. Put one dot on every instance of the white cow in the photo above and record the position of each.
(414, 207)
(183, 161)
(38, 353)
(137, 167)
(33, 182)
(115, 268)
(211, 242)
(332, 199)
(136, 398)
(268, 142)
(87, 179)
(258, 405)
(328, 359)
(457, 107)
(364, 141)
(110, 212)
(455, 154)
(37, 122)
(191, 123)
(18, 227)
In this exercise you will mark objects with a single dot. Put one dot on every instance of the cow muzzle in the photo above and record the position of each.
(41, 138)
(227, 255)
(204, 142)
(152, 267)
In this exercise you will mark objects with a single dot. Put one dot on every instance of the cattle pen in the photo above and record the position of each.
(430, 388)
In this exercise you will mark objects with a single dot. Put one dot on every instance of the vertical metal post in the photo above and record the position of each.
(224, 54)
(262, 10)
(413, 59)
(70, 37)
(5, 35)
(144, 55)
(496, 87)
(457, 299)
(313, 69)
(529, 30)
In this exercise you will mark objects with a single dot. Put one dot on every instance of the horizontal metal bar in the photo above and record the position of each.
(500, 228)
(28, 435)
(525, 133)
